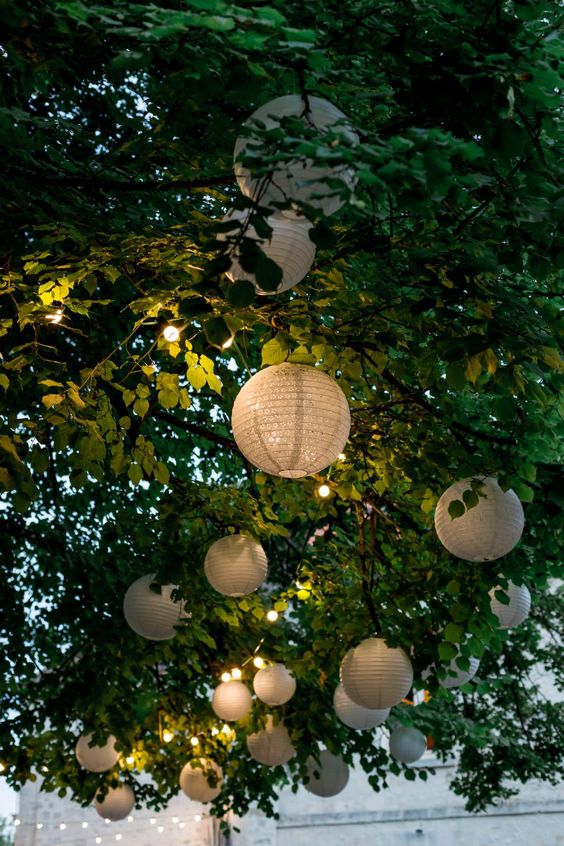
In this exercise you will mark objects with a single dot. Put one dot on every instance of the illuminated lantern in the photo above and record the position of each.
(355, 716)
(152, 615)
(235, 565)
(274, 684)
(517, 611)
(96, 759)
(117, 804)
(201, 779)
(272, 745)
(329, 776)
(407, 744)
(231, 700)
(375, 675)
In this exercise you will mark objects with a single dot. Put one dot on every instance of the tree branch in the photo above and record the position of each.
(194, 429)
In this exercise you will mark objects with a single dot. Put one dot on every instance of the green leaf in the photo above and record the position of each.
(268, 274)
(453, 632)
(456, 508)
(273, 353)
(217, 331)
(135, 473)
(241, 294)
(196, 376)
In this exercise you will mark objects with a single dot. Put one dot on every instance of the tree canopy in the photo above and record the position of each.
(434, 301)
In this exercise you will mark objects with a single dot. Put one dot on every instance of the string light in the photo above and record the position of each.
(130, 819)
(98, 840)
(236, 673)
(194, 741)
(227, 343)
(62, 826)
(272, 615)
(258, 662)
(167, 736)
(181, 825)
(54, 316)
(225, 677)
(84, 824)
(40, 825)
(160, 829)
(17, 822)
(198, 817)
(324, 491)
(131, 760)
(171, 333)
(175, 820)
(118, 836)
(152, 820)
(107, 821)
(2, 767)
(214, 731)
(341, 456)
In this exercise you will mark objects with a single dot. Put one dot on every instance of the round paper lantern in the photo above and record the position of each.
(455, 676)
(291, 420)
(271, 746)
(376, 675)
(329, 776)
(355, 716)
(117, 804)
(231, 700)
(152, 615)
(194, 779)
(274, 684)
(487, 531)
(96, 759)
(300, 180)
(407, 744)
(289, 246)
(235, 565)
(518, 609)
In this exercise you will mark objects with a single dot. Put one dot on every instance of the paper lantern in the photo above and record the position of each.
(152, 615)
(274, 684)
(235, 565)
(231, 700)
(271, 746)
(407, 744)
(518, 609)
(487, 531)
(355, 716)
(376, 675)
(300, 180)
(291, 420)
(96, 759)
(117, 804)
(289, 246)
(327, 777)
(455, 676)
(201, 779)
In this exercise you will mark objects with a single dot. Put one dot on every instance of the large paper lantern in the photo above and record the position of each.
(201, 779)
(291, 420)
(272, 745)
(300, 180)
(96, 759)
(274, 684)
(152, 615)
(117, 804)
(327, 777)
(518, 609)
(231, 700)
(455, 676)
(487, 531)
(355, 716)
(407, 744)
(289, 246)
(235, 565)
(376, 675)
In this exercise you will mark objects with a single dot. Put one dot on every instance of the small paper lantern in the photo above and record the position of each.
(96, 759)
(291, 420)
(235, 565)
(407, 744)
(271, 746)
(117, 804)
(376, 675)
(328, 777)
(274, 684)
(201, 779)
(300, 180)
(152, 615)
(487, 531)
(455, 676)
(231, 700)
(517, 611)
(289, 246)
(355, 716)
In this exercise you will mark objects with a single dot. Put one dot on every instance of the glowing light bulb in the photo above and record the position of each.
(98, 840)
(236, 673)
(258, 662)
(341, 456)
(167, 736)
(225, 677)
(62, 826)
(227, 344)
(54, 316)
(198, 817)
(152, 820)
(17, 822)
(2, 767)
(130, 759)
(171, 333)
(226, 729)
(324, 491)
(84, 824)
(214, 731)
(107, 821)
(175, 820)
(181, 825)
(130, 819)
(194, 741)
(118, 836)
(39, 825)
(272, 615)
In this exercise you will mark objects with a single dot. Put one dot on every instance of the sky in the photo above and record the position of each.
(8, 800)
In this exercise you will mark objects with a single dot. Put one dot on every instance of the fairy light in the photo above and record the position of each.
(175, 820)
(130, 819)
(214, 731)
(167, 736)
(98, 840)
(131, 760)
(226, 729)
(324, 491)
(194, 741)
(198, 817)
(236, 673)
(17, 821)
(152, 820)
(171, 333)
(225, 677)
(258, 662)
(2, 767)
(84, 824)
(107, 821)
(160, 829)
(341, 456)
(118, 836)
(62, 826)
(272, 615)
(227, 344)
(54, 316)
(181, 825)
(39, 826)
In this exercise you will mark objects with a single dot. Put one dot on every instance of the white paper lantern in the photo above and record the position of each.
(289, 246)
(117, 804)
(152, 615)
(271, 746)
(299, 180)
(376, 675)
(194, 780)
(518, 609)
(96, 759)
(487, 531)
(236, 565)
(329, 776)
(274, 684)
(231, 700)
(407, 744)
(455, 676)
(355, 716)
(291, 420)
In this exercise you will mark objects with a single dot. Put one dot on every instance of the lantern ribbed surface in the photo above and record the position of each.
(291, 420)
(194, 779)
(96, 759)
(271, 746)
(518, 609)
(152, 615)
(328, 777)
(455, 676)
(300, 180)
(289, 246)
(376, 675)
(117, 804)
(407, 744)
(274, 684)
(235, 565)
(355, 716)
(487, 531)
(231, 700)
